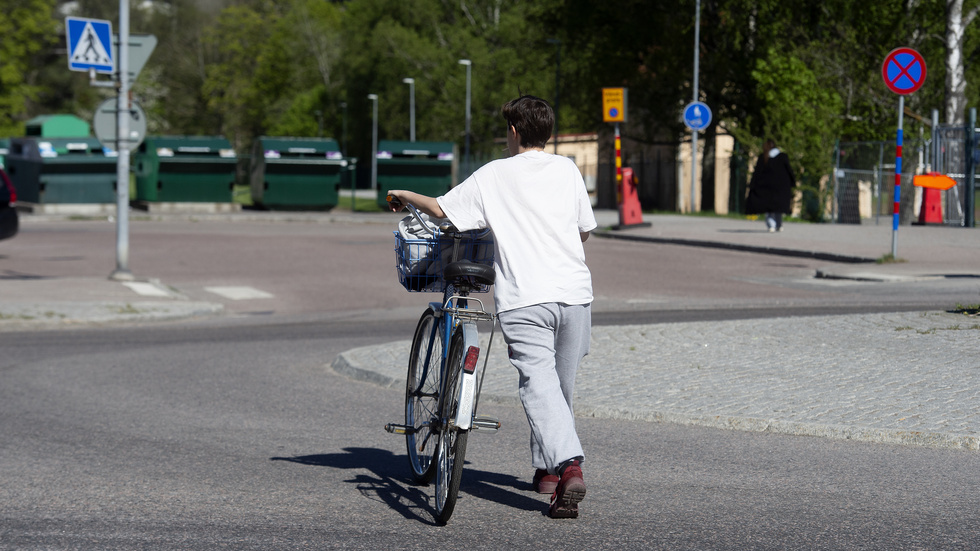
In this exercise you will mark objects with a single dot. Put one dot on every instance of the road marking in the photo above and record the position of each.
(147, 289)
(238, 293)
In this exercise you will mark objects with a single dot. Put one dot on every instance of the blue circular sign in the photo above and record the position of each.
(904, 70)
(697, 115)
(613, 112)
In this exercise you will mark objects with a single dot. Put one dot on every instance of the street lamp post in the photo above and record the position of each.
(694, 133)
(411, 107)
(343, 139)
(374, 141)
(466, 154)
(556, 42)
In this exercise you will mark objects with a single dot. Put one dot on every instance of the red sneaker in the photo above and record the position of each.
(544, 483)
(570, 491)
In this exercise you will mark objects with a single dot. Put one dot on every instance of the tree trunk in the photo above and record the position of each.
(956, 24)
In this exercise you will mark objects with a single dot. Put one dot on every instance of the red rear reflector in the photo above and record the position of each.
(472, 355)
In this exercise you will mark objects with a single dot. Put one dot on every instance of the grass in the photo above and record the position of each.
(889, 258)
(360, 204)
(972, 310)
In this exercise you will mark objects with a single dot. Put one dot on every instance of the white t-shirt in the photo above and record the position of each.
(536, 204)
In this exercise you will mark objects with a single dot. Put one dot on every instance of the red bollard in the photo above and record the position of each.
(630, 212)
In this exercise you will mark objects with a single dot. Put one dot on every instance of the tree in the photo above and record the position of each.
(956, 25)
(28, 27)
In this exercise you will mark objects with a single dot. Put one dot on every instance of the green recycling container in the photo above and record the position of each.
(185, 169)
(57, 126)
(4, 149)
(61, 170)
(296, 172)
(423, 167)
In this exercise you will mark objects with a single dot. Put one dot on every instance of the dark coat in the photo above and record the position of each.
(771, 187)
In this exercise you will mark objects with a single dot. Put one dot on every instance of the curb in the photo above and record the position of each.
(832, 257)
(348, 367)
(17, 316)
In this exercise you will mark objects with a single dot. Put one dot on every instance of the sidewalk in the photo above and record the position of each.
(909, 378)
(902, 378)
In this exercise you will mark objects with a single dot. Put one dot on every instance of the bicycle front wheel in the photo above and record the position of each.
(422, 397)
(452, 441)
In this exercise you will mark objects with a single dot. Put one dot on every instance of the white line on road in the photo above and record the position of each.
(238, 293)
(147, 289)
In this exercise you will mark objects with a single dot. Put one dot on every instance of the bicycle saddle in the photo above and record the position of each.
(463, 269)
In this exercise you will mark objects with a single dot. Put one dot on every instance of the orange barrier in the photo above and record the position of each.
(934, 180)
(931, 211)
(630, 212)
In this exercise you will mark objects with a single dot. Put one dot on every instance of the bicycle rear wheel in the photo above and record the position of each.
(452, 441)
(422, 397)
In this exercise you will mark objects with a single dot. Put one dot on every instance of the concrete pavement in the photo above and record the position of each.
(910, 378)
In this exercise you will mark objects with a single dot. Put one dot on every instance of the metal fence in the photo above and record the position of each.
(864, 177)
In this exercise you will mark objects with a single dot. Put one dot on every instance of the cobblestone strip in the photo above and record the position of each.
(908, 378)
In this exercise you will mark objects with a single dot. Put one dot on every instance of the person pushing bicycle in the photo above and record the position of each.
(539, 211)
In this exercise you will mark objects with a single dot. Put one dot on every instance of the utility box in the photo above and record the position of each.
(296, 172)
(57, 126)
(185, 169)
(61, 170)
(423, 167)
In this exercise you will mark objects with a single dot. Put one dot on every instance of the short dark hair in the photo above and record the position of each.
(532, 117)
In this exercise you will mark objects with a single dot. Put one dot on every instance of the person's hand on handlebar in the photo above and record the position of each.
(398, 198)
(394, 203)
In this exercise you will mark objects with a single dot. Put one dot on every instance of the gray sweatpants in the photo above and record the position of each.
(546, 342)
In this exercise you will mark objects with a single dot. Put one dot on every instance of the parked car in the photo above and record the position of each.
(9, 222)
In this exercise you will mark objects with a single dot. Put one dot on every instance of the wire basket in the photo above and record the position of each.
(420, 262)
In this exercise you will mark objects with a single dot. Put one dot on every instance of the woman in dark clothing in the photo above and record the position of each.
(771, 187)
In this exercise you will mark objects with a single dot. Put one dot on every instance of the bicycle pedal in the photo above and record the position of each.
(399, 429)
(486, 423)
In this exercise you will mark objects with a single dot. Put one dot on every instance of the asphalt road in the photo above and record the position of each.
(233, 432)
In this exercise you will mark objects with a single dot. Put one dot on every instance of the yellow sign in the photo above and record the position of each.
(614, 104)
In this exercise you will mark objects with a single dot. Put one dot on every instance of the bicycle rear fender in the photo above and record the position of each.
(467, 386)
(436, 309)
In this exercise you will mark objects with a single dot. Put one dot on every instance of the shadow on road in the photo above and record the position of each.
(400, 493)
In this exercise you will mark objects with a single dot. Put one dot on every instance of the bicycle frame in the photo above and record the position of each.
(455, 313)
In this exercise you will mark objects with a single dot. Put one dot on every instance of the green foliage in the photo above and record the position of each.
(805, 72)
(800, 115)
(27, 27)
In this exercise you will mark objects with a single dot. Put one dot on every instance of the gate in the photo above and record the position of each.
(950, 152)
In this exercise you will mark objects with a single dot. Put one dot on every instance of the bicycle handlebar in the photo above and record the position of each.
(445, 227)
(394, 203)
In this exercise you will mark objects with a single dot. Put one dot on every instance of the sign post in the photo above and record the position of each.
(904, 72)
(627, 199)
(697, 117)
(90, 49)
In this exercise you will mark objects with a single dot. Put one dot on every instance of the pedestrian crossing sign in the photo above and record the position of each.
(89, 44)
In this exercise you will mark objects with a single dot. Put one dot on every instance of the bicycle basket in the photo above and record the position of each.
(420, 262)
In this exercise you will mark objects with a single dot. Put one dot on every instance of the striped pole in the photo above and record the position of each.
(898, 177)
(619, 174)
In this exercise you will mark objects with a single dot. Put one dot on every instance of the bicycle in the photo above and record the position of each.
(443, 386)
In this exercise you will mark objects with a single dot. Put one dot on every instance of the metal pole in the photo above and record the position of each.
(411, 107)
(557, 42)
(122, 272)
(619, 175)
(343, 144)
(881, 171)
(971, 170)
(466, 154)
(898, 177)
(374, 141)
(935, 142)
(694, 133)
